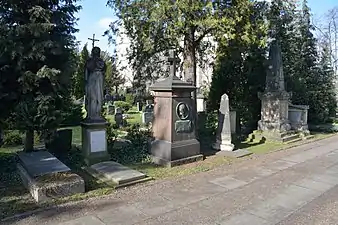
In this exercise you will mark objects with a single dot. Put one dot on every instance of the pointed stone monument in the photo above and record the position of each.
(223, 138)
(275, 99)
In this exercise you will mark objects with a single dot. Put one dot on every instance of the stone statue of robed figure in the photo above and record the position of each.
(94, 85)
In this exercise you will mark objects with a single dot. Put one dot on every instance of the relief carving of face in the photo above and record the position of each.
(182, 111)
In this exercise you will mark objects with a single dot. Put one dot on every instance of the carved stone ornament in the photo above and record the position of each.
(182, 111)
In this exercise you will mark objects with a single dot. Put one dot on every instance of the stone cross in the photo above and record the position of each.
(93, 40)
(173, 60)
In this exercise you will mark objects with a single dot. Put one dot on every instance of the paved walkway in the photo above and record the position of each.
(296, 186)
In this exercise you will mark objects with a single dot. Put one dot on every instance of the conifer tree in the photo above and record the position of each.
(315, 79)
(240, 71)
(37, 51)
(79, 83)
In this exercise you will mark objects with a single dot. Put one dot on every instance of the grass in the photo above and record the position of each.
(258, 148)
(134, 117)
(158, 172)
(16, 199)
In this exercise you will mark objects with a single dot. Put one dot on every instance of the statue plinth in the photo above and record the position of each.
(274, 112)
(174, 123)
(94, 142)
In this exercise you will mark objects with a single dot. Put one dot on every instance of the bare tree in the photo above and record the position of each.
(327, 27)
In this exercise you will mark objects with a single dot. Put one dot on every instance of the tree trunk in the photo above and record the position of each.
(29, 141)
(116, 89)
(189, 66)
(1, 136)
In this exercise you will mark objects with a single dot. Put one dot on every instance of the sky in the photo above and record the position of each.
(95, 17)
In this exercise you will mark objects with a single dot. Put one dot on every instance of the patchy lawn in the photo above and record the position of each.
(262, 148)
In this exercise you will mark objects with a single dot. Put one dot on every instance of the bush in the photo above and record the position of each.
(136, 151)
(73, 116)
(12, 138)
(130, 98)
(124, 105)
(111, 134)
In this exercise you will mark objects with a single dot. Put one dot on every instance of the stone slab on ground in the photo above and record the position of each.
(40, 163)
(87, 220)
(53, 180)
(118, 174)
(239, 153)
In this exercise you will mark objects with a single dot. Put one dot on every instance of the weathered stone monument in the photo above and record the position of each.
(94, 141)
(173, 125)
(223, 136)
(275, 122)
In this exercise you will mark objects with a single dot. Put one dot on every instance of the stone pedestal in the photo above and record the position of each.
(174, 123)
(274, 123)
(94, 142)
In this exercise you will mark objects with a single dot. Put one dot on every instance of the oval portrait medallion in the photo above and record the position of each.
(182, 111)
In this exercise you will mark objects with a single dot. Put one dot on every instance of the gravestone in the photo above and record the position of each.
(46, 177)
(201, 104)
(223, 136)
(61, 143)
(114, 172)
(139, 106)
(148, 114)
(118, 116)
(174, 121)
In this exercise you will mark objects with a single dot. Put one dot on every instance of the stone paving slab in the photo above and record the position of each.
(244, 219)
(314, 185)
(326, 179)
(321, 211)
(124, 215)
(156, 206)
(270, 211)
(87, 220)
(252, 174)
(192, 194)
(228, 182)
(294, 197)
(280, 165)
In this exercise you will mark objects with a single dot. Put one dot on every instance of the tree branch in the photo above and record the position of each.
(200, 38)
